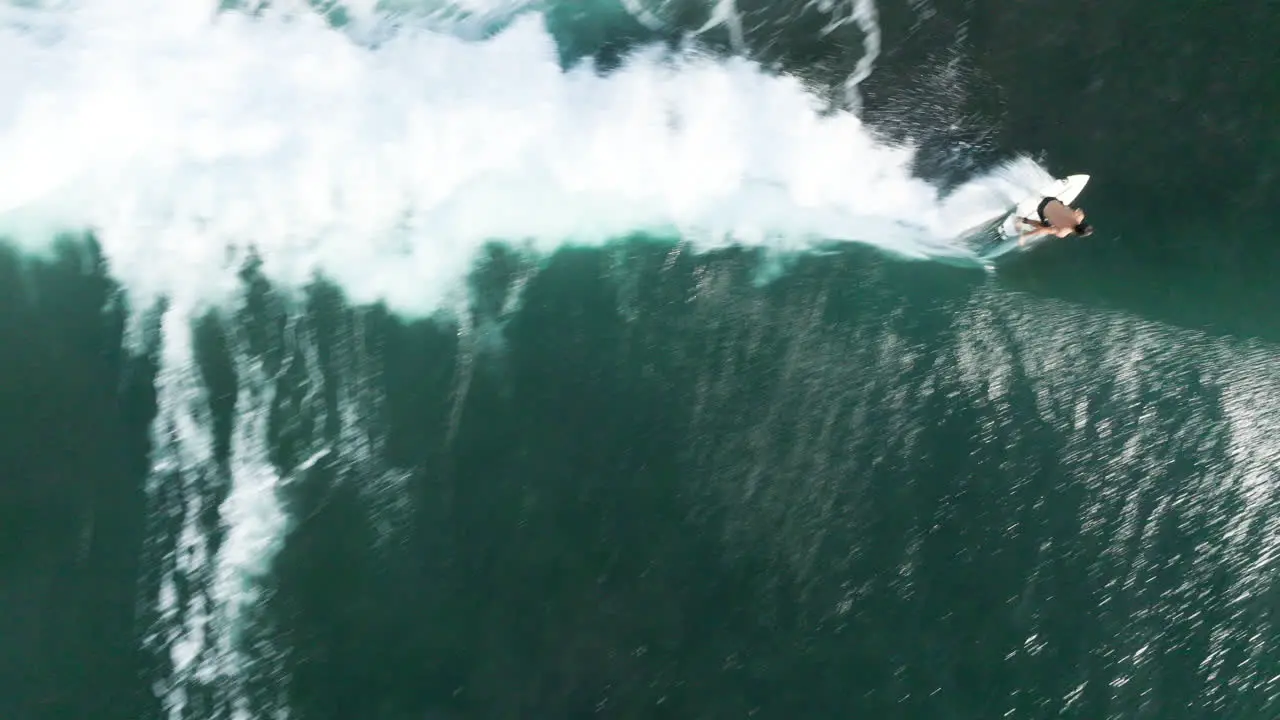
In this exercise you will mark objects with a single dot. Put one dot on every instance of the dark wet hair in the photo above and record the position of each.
(1083, 229)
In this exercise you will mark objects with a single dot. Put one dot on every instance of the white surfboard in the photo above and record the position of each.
(1066, 190)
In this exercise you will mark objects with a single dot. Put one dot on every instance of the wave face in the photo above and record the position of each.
(511, 359)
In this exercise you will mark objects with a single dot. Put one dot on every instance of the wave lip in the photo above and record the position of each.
(180, 135)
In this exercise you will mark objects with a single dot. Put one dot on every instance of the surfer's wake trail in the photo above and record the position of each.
(182, 137)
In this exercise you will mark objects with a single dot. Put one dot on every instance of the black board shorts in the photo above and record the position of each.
(1040, 210)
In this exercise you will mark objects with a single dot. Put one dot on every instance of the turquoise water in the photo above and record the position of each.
(403, 376)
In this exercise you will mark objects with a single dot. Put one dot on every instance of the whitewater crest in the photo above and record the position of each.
(183, 136)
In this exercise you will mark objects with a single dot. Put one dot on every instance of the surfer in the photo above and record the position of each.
(1057, 219)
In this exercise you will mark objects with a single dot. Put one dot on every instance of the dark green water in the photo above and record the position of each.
(640, 482)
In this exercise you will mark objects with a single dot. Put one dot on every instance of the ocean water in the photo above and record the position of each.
(503, 359)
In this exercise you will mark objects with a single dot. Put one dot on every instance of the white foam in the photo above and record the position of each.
(183, 453)
(180, 135)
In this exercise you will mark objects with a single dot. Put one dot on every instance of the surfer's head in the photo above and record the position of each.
(1081, 228)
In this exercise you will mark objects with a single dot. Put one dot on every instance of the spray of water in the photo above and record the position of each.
(182, 136)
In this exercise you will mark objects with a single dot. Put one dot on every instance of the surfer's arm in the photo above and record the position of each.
(1037, 232)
